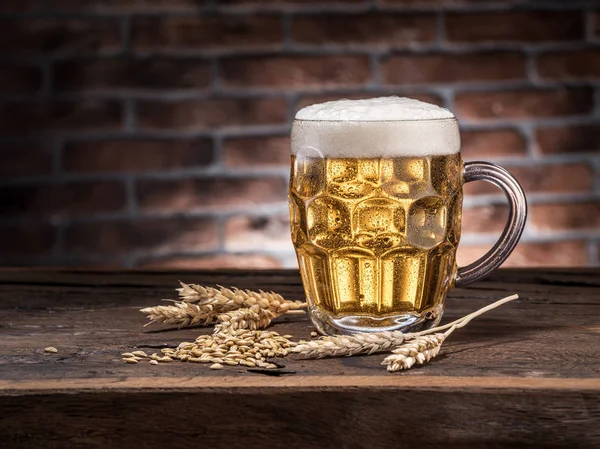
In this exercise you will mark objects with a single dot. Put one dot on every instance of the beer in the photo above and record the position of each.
(375, 220)
(375, 209)
(376, 238)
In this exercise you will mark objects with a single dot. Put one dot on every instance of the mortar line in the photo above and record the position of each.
(286, 32)
(57, 158)
(592, 250)
(440, 30)
(589, 24)
(130, 197)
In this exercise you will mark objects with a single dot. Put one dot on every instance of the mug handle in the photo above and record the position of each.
(517, 214)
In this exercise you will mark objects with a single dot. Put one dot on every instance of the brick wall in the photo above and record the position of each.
(154, 133)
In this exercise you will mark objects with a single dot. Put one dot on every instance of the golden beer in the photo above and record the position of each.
(375, 205)
(376, 237)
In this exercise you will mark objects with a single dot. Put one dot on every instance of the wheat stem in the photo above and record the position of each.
(424, 348)
(465, 319)
(370, 343)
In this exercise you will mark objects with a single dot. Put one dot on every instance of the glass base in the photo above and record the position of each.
(327, 324)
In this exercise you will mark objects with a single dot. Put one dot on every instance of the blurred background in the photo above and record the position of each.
(147, 133)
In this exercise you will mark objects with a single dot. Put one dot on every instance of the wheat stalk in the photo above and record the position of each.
(425, 347)
(369, 343)
(202, 305)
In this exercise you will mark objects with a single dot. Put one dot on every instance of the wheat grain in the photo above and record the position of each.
(234, 346)
(154, 362)
(51, 349)
(216, 366)
(139, 354)
(132, 360)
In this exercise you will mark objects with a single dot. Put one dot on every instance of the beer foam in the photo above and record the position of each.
(373, 109)
(377, 127)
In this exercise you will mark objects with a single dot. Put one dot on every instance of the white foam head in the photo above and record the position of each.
(376, 127)
(374, 109)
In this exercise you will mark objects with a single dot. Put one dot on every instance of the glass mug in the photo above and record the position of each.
(375, 209)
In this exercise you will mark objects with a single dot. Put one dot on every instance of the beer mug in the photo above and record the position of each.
(375, 208)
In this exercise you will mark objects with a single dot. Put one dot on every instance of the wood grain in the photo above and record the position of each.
(524, 375)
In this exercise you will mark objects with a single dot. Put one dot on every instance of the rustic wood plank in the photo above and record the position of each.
(524, 375)
(424, 418)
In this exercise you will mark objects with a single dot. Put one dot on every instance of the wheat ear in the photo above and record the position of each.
(252, 318)
(202, 305)
(420, 351)
(180, 313)
(235, 298)
(347, 345)
(425, 347)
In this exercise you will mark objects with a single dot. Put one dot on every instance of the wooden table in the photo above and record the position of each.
(524, 375)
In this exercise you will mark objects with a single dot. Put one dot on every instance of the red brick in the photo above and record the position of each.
(574, 64)
(484, 220)
(243, 233)
(20, 79)
(565, 217)
(82, 198)
(214, 261)
(550, 254)
(257, 151)
(137, 154)
(17, 6)
(477, 144)
(515, 26)
(384, 28)
(48, 35)
(568, 139)
(208, 32)
(25, 159)
(296, 71)
(26, 239)
(545, 178)
(189, 194)
(283, 3)
(439, 68)
(525, 103)
(39, 116)
(321, 98)
(125, 5)
(210, 113)
(441, 2)
(157, 235)
(121, 73)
